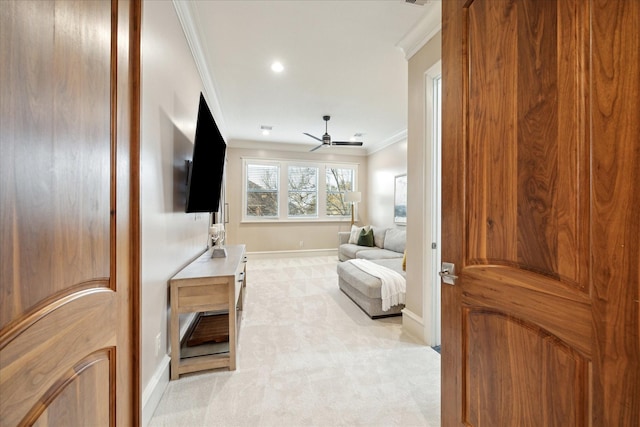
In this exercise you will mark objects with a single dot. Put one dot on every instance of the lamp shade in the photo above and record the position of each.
(352, 196)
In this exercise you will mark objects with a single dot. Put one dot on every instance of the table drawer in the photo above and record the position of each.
(202, 298)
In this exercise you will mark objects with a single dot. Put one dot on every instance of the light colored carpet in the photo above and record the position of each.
(308, 356)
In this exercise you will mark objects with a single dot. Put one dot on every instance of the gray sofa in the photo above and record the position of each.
(361, 287)
(389, 243)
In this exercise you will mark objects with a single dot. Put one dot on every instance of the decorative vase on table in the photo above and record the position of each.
(217, 234)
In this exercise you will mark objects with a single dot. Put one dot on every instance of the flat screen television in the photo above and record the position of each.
(206, 168)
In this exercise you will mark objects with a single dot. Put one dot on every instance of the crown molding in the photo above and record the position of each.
(423, 31)
(195, 40)
(398, 137)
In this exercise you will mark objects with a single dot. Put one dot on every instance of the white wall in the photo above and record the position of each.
(170, 238)
(384, 166)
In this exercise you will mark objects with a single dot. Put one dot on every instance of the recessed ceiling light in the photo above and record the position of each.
(266, 130)
(277, 67)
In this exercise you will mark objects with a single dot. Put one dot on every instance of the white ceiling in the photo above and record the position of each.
(342, 58)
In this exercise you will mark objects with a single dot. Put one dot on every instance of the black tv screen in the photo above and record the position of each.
(204, 182)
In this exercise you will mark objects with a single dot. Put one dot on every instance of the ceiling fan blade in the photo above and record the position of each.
(354, 143)
(314, 137)
(315, 148)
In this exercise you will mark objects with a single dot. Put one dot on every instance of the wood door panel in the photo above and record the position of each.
(56, 190)
(563, 312)
(91, 382)
(522, 192)
(541, 138)
(54, 347)
(615, 107)
(509, 360)
(69, 212)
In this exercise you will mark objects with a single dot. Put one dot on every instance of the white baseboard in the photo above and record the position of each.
(153, 391)
(413, 325)
(292, 254)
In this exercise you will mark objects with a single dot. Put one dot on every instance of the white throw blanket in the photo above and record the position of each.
(394, 286)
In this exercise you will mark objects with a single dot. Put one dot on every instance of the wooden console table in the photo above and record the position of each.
(211, 285)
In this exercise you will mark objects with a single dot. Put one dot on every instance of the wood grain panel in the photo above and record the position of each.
(91, 381)
(492, 131)
(537, 139)
(615, 208)
(509, 360)
(53, 347)
(572, 178)
(524, 79)
(69, 212)
(561, 311)
(55, 182)
(454, 213)
(550, 334)
(192, 298)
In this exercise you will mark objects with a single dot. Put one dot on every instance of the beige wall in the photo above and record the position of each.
(384, 166)
(170, 238)
(284, 236)
(419, 268)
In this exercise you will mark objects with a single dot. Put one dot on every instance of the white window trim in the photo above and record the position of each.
(283, 189)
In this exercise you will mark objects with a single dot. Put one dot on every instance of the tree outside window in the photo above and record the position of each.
(262, 190)
(313, 191)
(339, 181)
(303, 191)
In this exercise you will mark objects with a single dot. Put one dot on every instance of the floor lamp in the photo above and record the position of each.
(352, 197)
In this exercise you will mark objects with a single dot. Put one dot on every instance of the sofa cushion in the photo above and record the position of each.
(350, 251)
(395, 240)
(377, 254)
(378, 235)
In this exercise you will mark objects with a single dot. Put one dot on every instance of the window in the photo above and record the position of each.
(262, 190)
(339, 181)
(303, 191)
(310, 191)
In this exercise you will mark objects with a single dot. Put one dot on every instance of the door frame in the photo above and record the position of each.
(431, 305)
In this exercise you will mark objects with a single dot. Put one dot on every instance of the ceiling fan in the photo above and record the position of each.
(326, 138)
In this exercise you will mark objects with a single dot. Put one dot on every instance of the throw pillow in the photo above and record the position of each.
(365, 238)
(404, 261)
(355, 233)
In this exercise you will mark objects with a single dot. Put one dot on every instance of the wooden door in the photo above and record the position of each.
(541, 184)
(69, 213)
